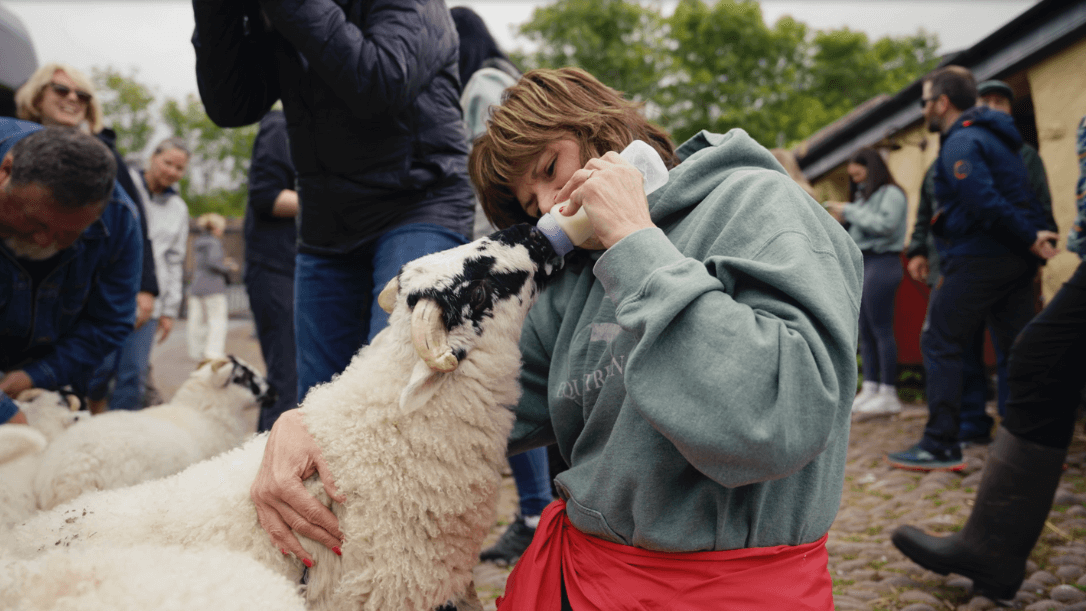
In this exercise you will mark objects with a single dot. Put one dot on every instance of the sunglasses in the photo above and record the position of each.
(64, 90)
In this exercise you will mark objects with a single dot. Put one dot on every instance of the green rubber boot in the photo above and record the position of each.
(1013, 501)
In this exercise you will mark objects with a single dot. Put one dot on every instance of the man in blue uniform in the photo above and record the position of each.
(991, 234)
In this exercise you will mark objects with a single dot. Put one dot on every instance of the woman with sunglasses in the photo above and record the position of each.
(59, 95)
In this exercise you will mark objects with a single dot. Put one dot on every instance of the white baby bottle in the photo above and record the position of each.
(566, 232)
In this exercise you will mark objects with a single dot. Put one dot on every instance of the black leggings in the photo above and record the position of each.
(1047, 369)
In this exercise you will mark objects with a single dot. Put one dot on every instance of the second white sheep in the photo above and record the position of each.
(121, 448)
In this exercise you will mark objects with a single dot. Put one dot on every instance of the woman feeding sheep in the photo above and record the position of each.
(695, 368)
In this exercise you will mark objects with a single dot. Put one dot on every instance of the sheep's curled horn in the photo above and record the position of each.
(428, 333)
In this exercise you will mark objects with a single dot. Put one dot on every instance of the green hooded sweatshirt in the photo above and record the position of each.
(698, 378)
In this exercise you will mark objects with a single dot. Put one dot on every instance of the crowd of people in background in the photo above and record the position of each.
(357, 175)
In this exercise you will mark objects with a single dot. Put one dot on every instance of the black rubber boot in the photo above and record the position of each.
(1013, 501)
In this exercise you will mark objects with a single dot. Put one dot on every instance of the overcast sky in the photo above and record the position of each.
(152, 36)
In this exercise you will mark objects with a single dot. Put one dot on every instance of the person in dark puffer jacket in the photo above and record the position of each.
(370, 90)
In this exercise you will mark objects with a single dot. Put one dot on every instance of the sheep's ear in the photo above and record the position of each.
(387, 298)
(30, 394)
(423, 385)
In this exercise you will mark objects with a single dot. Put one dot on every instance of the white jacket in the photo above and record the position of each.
(168, 229)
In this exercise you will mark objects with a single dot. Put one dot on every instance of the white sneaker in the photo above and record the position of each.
(867, 392)
(884, 404)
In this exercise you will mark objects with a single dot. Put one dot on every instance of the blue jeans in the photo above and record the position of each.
(335, 297)
(531, 473)
(975, 421)
(271, 298)
(882, 276)
(132, 366)
(973, 290)
(96, 385)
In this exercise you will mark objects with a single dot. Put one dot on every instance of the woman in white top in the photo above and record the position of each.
(168, 228)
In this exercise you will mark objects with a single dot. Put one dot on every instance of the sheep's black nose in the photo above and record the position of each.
(269, 397)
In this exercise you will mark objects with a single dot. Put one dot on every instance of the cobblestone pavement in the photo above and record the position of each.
(869, 573)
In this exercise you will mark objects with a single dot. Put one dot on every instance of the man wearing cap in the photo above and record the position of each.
(70, 259)
(998, 95)
(991, 234)
(923, 266)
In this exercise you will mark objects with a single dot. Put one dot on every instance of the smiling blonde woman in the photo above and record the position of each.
(57, 94)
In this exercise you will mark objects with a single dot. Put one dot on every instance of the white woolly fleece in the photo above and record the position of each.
(121, 448)
(417, 454)
(21, 446)
(141, 578)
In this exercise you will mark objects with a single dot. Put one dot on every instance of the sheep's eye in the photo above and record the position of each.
(477, 299)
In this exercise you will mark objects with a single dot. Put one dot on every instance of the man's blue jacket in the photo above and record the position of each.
(987, 207)
(84, 309)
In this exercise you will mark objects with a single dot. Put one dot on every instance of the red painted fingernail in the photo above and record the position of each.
(308, 563)
(562, 209)
(337, 551)
(283, 550)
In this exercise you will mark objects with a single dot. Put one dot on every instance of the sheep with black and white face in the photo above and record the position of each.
(414, 431)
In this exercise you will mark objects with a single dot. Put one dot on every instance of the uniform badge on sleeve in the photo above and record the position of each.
(961, 169)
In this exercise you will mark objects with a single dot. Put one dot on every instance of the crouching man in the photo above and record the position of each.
(70, 254)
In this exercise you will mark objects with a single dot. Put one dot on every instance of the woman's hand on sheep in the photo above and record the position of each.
(612, 192)
(283, 505)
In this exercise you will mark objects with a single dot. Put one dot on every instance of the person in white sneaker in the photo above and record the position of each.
(876, 221)
(868, 391)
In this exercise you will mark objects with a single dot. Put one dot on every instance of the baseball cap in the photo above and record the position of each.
(993, 86)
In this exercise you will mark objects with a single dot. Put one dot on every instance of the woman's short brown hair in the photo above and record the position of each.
(545, 106)
(28, 97)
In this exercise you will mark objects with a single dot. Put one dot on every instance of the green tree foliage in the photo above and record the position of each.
(718, 65)
(127, 107)
(616, 41)
(216, 180)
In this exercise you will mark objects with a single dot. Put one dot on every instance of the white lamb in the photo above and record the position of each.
(121, 448)
(144, 578)
(414, 430)
(48, 413)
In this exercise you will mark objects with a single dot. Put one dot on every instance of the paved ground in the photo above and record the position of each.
(869, 574)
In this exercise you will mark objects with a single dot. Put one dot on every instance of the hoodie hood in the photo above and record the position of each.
(999, 123)
(706, 160)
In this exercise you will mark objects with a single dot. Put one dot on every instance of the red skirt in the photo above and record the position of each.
(600, 575)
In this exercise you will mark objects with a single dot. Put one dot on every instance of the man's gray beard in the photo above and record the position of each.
(24, 249)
